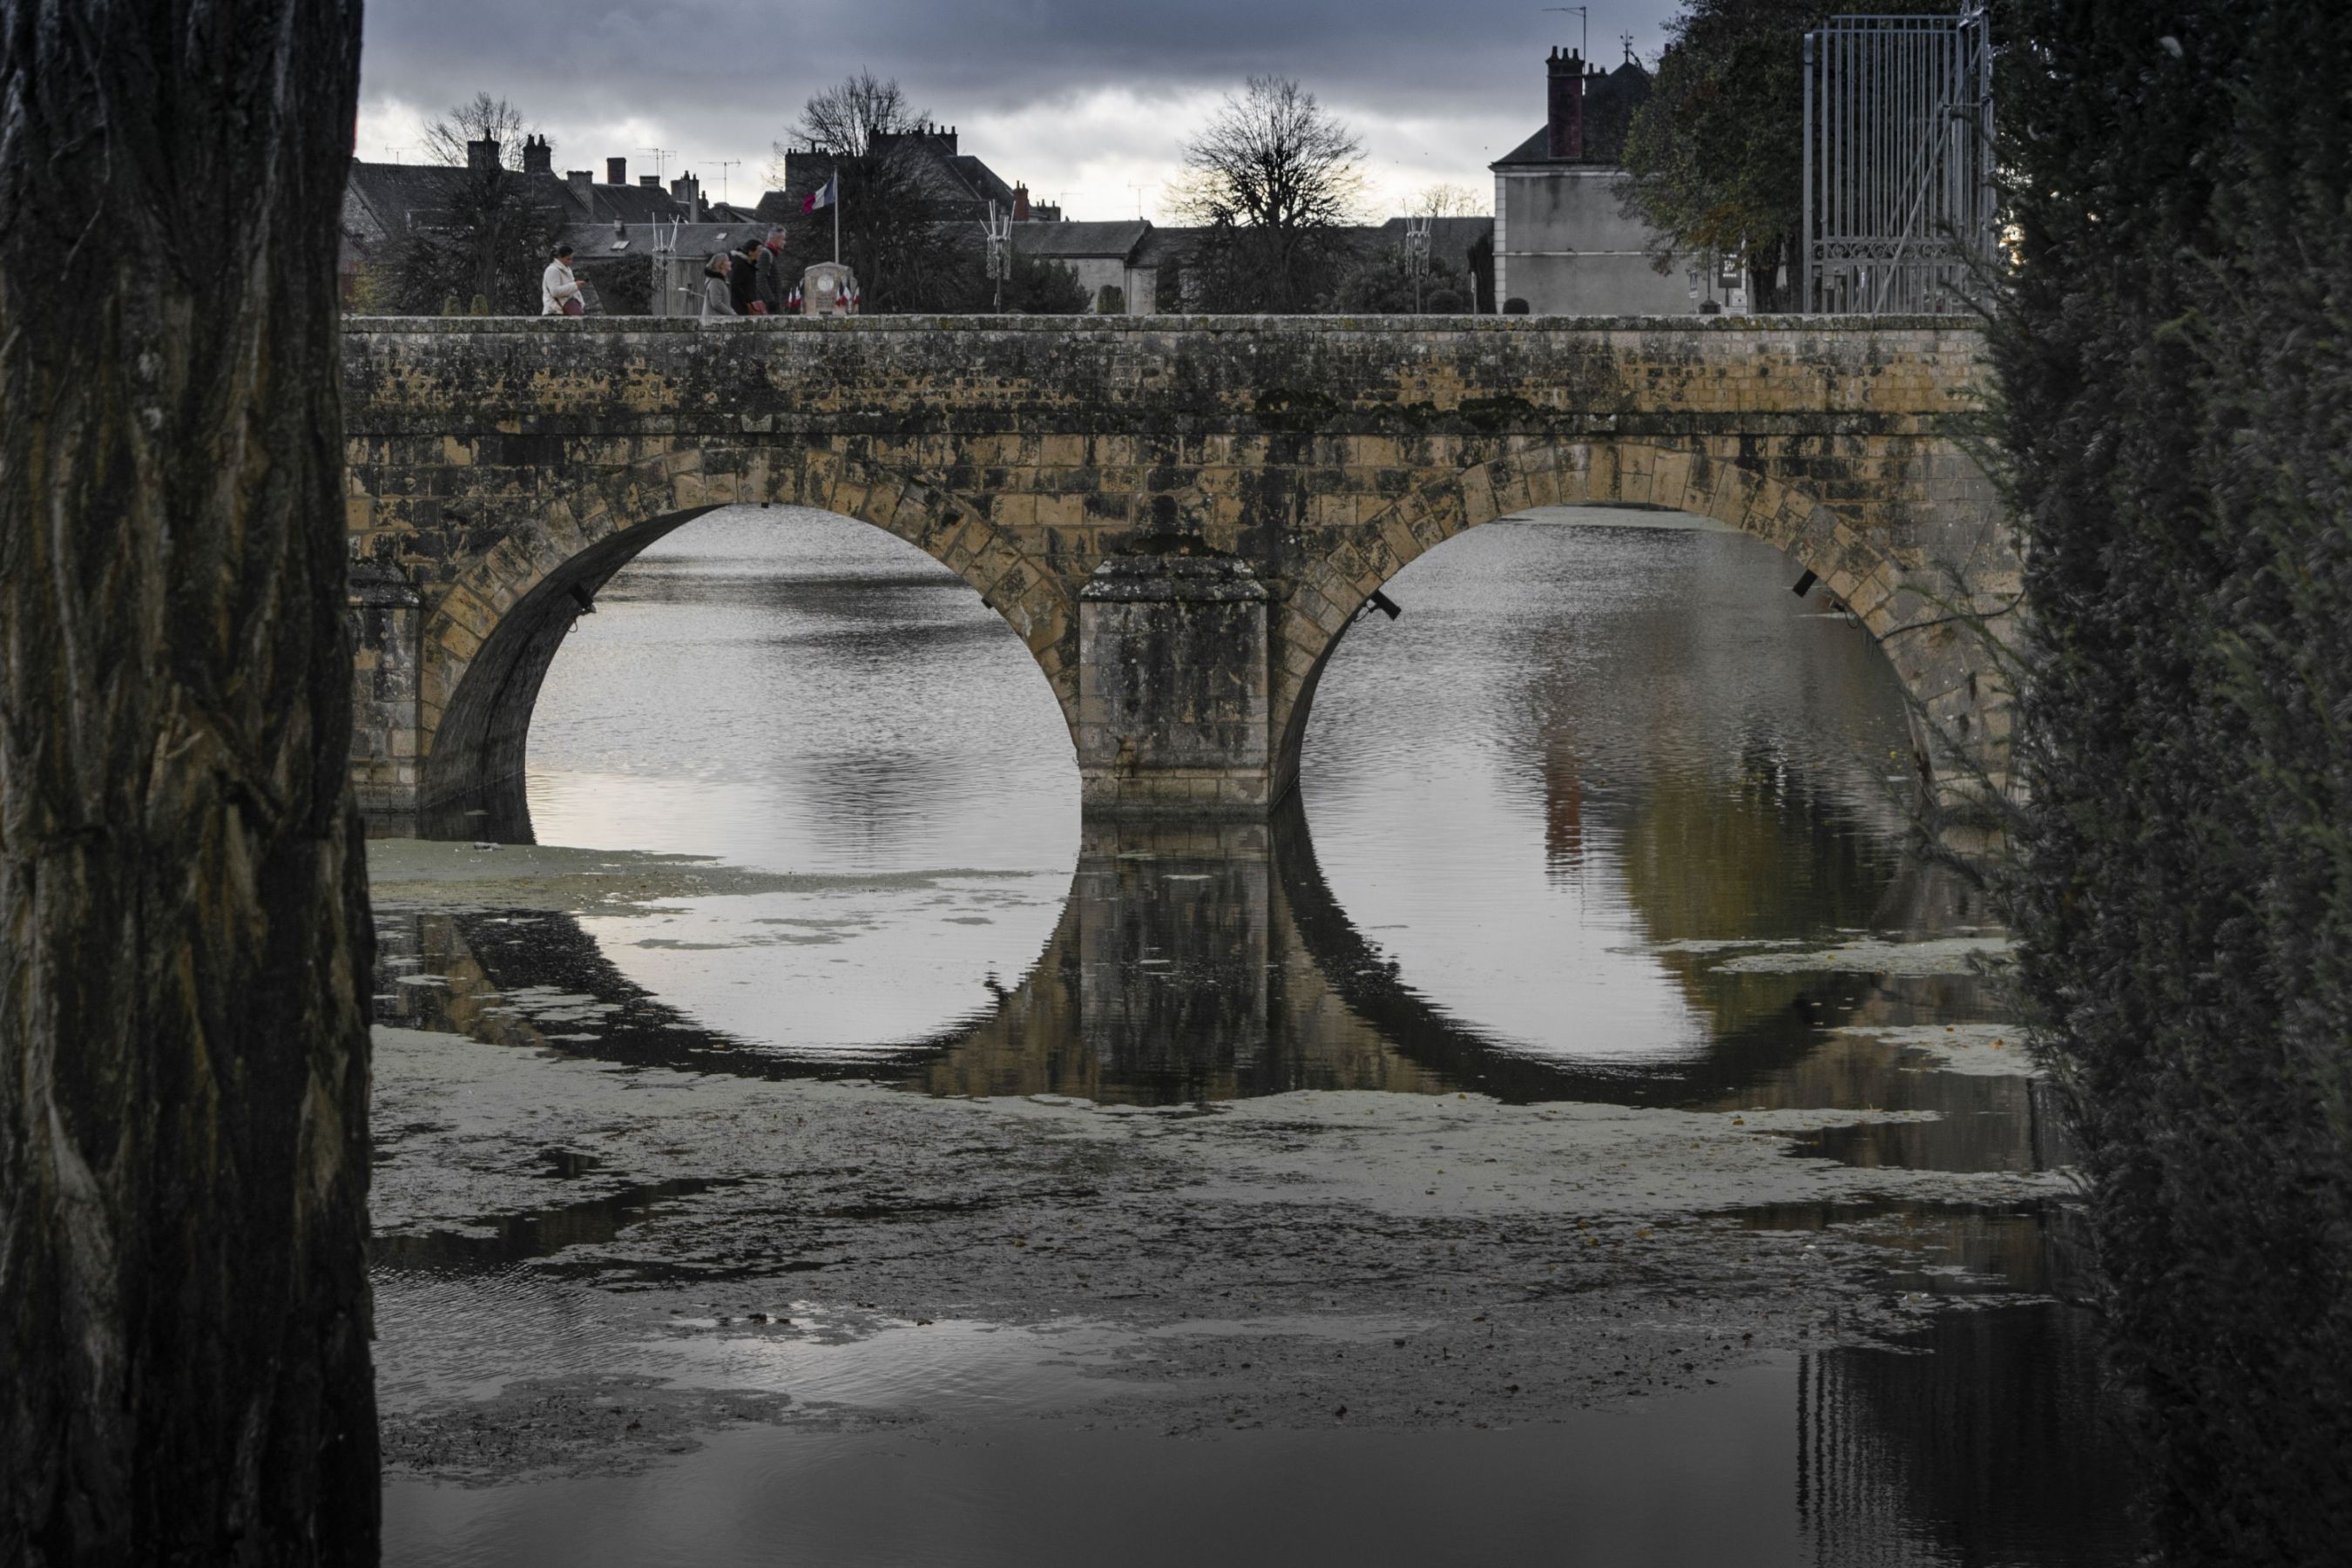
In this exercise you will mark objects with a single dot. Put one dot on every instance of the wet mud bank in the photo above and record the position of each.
(547, 1223)
(1595, 1140)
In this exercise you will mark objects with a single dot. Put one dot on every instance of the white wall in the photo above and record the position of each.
(1563, 246)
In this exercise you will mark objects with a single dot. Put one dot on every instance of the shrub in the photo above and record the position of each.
(2174, 362)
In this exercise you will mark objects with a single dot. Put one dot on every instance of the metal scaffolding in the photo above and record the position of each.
(1900, 199)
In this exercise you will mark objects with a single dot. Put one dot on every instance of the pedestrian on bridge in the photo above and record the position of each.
(773, 290)
(559, 293)
(718, 300)
(742, 279)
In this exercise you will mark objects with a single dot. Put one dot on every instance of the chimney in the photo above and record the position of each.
(1565, 122)
(616, 171)
(537, 155)
(482, 156)
(1019, 204)
(582, 183)
(951, 141)
(688, 192)
(651, 181)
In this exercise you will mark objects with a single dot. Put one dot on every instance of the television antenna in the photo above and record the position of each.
(1416, 253)
(725, 164)
(662, 155)
(1139, 191)
(1584, 15)
(999, 250)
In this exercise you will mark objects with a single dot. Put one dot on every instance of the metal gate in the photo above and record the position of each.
(1900, 200)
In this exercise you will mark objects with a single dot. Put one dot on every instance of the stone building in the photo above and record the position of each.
(614, 225)
(1563, 241)
(959, 186)
(1100, 256)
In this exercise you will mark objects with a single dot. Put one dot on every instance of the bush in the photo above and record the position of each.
(1382, 284)
(2175, 362)
(1042, 287)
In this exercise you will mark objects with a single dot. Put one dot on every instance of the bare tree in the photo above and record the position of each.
(851, 116)
(184, 1059)
(1447, 200)
(493, 118)
(1274, 158)
(1272, 177)
(486, 241)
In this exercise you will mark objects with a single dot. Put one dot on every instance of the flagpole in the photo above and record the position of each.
(836, 218)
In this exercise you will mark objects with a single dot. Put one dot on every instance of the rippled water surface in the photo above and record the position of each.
(1609, 815)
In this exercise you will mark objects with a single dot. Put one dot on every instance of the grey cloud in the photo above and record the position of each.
(733, 73)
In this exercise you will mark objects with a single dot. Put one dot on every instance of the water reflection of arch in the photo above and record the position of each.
(1191, 962)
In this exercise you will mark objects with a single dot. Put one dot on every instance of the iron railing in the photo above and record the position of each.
(1901, 205)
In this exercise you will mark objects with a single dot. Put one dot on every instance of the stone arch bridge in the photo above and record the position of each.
(1179, 516)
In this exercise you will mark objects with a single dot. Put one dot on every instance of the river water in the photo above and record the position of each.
(1608, 818)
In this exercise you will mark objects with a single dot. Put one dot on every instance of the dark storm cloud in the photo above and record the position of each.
(738, 71)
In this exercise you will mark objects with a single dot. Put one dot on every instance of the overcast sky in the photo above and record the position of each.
(1090, 102)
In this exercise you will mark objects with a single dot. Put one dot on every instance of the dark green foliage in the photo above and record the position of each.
(907, 259)
(1042, 287)
(487, 239)
(1110, 300)
(1381, 284)
(2177, 365)
(1242, 270)
(623, 288)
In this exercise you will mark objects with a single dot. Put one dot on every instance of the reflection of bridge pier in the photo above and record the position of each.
(1194, 960)
(1179, 971)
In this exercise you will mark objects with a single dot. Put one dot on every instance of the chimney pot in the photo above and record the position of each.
(1564, 123)
(616, 171)
(537, 155)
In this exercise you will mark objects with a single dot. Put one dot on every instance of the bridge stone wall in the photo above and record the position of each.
(1179, 516)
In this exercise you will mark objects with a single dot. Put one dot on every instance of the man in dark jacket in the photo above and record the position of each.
(741, 285)
(772, 288)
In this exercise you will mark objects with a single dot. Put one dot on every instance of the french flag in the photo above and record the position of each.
(824, 196)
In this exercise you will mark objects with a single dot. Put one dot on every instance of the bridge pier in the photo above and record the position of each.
(1172, 687)
(386, 617)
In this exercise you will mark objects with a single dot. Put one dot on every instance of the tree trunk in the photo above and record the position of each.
(183, 1147)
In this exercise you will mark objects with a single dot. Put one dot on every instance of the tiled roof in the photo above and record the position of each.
(1610, 100)
(1120, 239)
(381, 200)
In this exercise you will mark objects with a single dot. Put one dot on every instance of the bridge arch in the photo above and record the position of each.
(1903, 598)
(486, 645)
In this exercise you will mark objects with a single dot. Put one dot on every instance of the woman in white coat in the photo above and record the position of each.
(718, 300)
(559, 293)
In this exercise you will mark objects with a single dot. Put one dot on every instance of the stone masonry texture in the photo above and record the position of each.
(502, 469)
